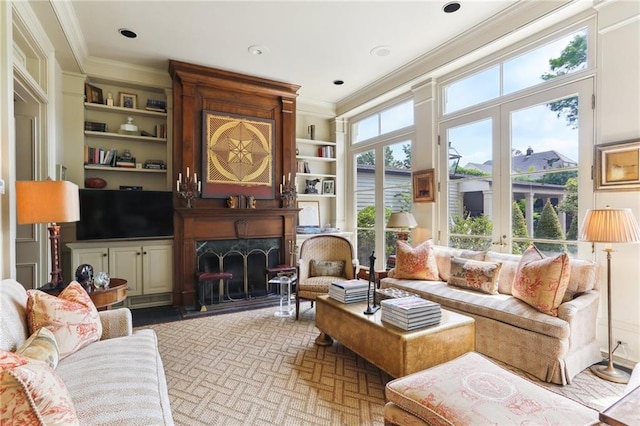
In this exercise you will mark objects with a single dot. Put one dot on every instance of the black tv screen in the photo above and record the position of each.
(116, 214)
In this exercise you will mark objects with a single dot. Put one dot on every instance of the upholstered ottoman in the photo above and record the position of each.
(472, 390)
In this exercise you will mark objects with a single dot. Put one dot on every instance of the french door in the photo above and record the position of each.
(514, 171)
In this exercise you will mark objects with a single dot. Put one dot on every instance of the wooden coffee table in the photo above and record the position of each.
(107, 297)
(392, 349)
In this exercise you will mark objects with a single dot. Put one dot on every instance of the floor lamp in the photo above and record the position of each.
(610, 226)
(49, 201)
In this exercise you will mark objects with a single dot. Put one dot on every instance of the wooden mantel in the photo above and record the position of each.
(195, 89)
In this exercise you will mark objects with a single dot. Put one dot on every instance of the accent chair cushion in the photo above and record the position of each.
(326, 268)
(71, 317)
(475, 274)
(41, 346)
(32, 393)
(416, 263)
(542, 281)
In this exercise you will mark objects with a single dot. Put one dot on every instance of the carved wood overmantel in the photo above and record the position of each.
(195, 89)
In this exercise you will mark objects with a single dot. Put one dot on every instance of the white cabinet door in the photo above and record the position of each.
(157, 266)
(98, 258)
(126, 262)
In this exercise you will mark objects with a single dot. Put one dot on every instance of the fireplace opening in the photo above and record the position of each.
(246, 259)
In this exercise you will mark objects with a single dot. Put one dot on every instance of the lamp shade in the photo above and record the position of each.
(47, 201)
(401, 220)
(610, 226)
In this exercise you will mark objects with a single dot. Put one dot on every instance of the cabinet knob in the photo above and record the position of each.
(104, 254)
(138, 253)
(144, 252)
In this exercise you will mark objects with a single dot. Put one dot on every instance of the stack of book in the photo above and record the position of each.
(409, 313)
(350, 291)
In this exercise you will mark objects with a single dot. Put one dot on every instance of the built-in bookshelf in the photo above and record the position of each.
(316, 160)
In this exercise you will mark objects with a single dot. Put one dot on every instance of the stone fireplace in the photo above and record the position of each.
(210, 235)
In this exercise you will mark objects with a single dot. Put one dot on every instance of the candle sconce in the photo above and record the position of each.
(288, 193)
(188, 188)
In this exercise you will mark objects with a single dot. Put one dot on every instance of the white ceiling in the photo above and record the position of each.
(310, 43)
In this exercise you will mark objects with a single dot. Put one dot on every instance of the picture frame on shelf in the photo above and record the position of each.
(309, 214)
(93, 94)
(128, 100)
(424, 186)
(617, 166)
(328, 187)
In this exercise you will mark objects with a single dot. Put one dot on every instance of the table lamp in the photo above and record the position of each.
(49, 202)
(404, 222)
(610, 226)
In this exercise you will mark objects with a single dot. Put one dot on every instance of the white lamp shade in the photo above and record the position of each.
(610, 226)
(47, 201)
(401, 220)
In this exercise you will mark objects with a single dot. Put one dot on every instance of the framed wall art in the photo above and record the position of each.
(93, 94)
(424, 186)
(237, 156)
(309, 214)
(617, 166)
(128, 100)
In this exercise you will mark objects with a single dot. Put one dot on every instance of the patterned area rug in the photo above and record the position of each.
(251, 368)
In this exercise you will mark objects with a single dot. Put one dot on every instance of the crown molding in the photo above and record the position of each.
(70, 26)
(127, 74)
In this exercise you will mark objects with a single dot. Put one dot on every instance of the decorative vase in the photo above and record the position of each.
(95, 182)
(101, 280)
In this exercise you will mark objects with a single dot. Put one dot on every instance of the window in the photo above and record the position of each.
(562, 56)
(382, 185)
(536, 140)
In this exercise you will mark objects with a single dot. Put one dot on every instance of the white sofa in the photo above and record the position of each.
(553, 349)
(118, 380)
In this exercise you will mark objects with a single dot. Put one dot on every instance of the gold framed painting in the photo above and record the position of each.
(237, 156)
(617, 166)
(424, 186)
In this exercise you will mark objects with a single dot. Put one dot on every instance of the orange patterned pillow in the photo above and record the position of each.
(71, 317)
(542, 281)
(32, 393)
(418, 263)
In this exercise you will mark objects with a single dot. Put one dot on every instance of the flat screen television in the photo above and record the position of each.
(118, 214)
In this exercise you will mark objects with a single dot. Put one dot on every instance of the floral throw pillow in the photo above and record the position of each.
(542, 281)
(475, 274)
(416, 263)
(32, 393)
(71, 317)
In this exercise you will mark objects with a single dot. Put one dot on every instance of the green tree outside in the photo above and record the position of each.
(519, 229)
(549, 228)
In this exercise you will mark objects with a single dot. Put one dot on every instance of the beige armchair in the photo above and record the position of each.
(323, 259)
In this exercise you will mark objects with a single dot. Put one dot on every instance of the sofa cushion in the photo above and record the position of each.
(118, 381)
(41, 346)
(475, 274)
(507, 271)
(32, 393)
(322, 268)
(542, 281)
(471, 389)
(583, 278)
(15, 329)
(500, 307)
(417, 263)
(443, 258)
(71, 317)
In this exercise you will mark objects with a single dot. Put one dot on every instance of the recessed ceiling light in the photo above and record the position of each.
(338, 82)
(454, 6)
(127, 33)
(258, 50)
(381, 51)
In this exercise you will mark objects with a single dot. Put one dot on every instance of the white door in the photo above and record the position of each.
(126, 263)
(157, 269)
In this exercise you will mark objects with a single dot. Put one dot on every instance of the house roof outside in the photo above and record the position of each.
(530, 162)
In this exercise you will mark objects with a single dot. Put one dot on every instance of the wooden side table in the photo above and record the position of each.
(363, 274)
(105, 298)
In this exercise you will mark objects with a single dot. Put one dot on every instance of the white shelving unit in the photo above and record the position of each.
(143, 148)
(323, 168)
